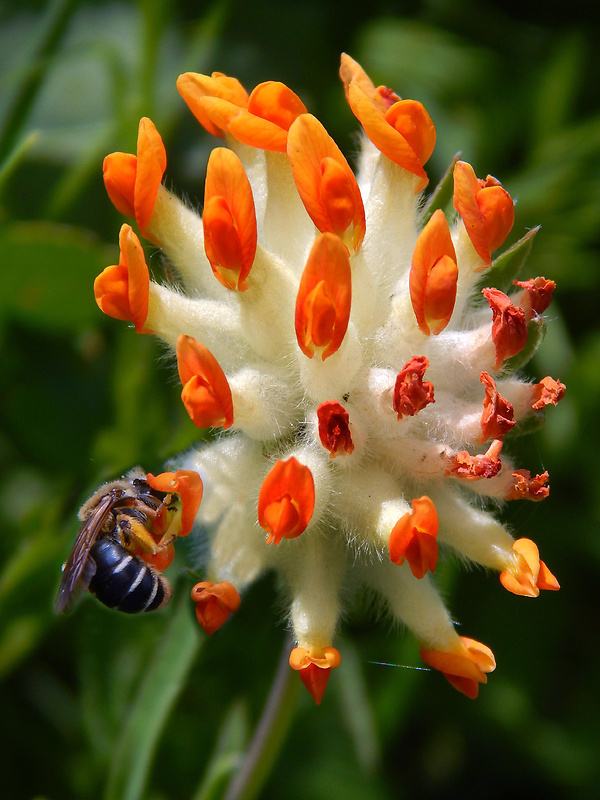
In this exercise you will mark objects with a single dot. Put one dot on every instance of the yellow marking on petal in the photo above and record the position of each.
(325, 182)
(229, 219)
(433, 276)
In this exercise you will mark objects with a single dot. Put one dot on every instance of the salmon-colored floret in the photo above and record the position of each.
(334, 428)
(286, 500)
(527, 488)
(546, 392)
(401, 129)
(465, 666)
(206, 393)
(473, 468)
(188, 485)
(526, 575)
(498, 414)
(413, 538)
(538, 295)
(229, 219)
(487, 210)
(215, 602)
(325, 182)
(196, 89)
(411, 392)
(123, 290)
(433, 276)
(324, 297)
(315, 666)
(119, 171)
(509, 326)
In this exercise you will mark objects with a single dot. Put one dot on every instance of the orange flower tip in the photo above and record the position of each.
(325, 182)
(123, 291)
(509, 326)
(486, 208)
(334, 429)
(197, 90)
(538, 295)
(527, 488)
(466, 467)
(465, 666)
(413, 538)
(315, 667)
(546, 392)
(151, 166)
(187, 484)
(433, 276)
(497, 418)
(527, 574)
(206, 393)
(411, 392)
(286, 500)
(119, 171)
(401, 129)
(215, 602)
(324, 298)
(229, 219)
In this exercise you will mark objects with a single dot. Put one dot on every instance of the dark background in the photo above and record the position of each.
(87, 700)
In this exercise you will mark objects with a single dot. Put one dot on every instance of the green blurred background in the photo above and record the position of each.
(97, 705)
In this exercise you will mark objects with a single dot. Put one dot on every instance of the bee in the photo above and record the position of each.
(123, 544)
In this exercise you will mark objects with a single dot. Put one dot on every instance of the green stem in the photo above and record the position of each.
(270, 733)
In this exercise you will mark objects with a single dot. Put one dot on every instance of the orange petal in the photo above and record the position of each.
(498, 414)
(465, 667)
(315, 667)
(194, 88)
(324, 296)
(433, 276)
(401, 129)
(123, 291)
(487, 209)
(539, 295)
(473, 468)
(206, 394)
(229, 219)
(527, 488)
(215, 602)
(546, 392)
(151, 166)
(325, 182)
(185, 483)
(527, 575)
(275, 102)
(509, 327)
(119, 171)
(411, 392)
(286, 500)
(413, 538)
(334, 428)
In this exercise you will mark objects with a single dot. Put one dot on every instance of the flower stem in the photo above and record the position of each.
(270, 732)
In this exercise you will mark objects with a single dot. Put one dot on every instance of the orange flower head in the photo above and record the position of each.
(206, 394)
(215, 602)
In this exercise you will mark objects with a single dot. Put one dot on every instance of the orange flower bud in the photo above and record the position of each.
(433, 276)
(206, 394)
(334, 428)
(215, 602)
(411, 392)
(527, 575)
(324, 296)
(286, 500)
(413, 538)
(123, 291)
(315, 667)
(465, 667)
(498, 414)
(509, 328)
(487, 210)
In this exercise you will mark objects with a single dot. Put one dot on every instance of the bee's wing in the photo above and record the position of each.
(79, 570)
